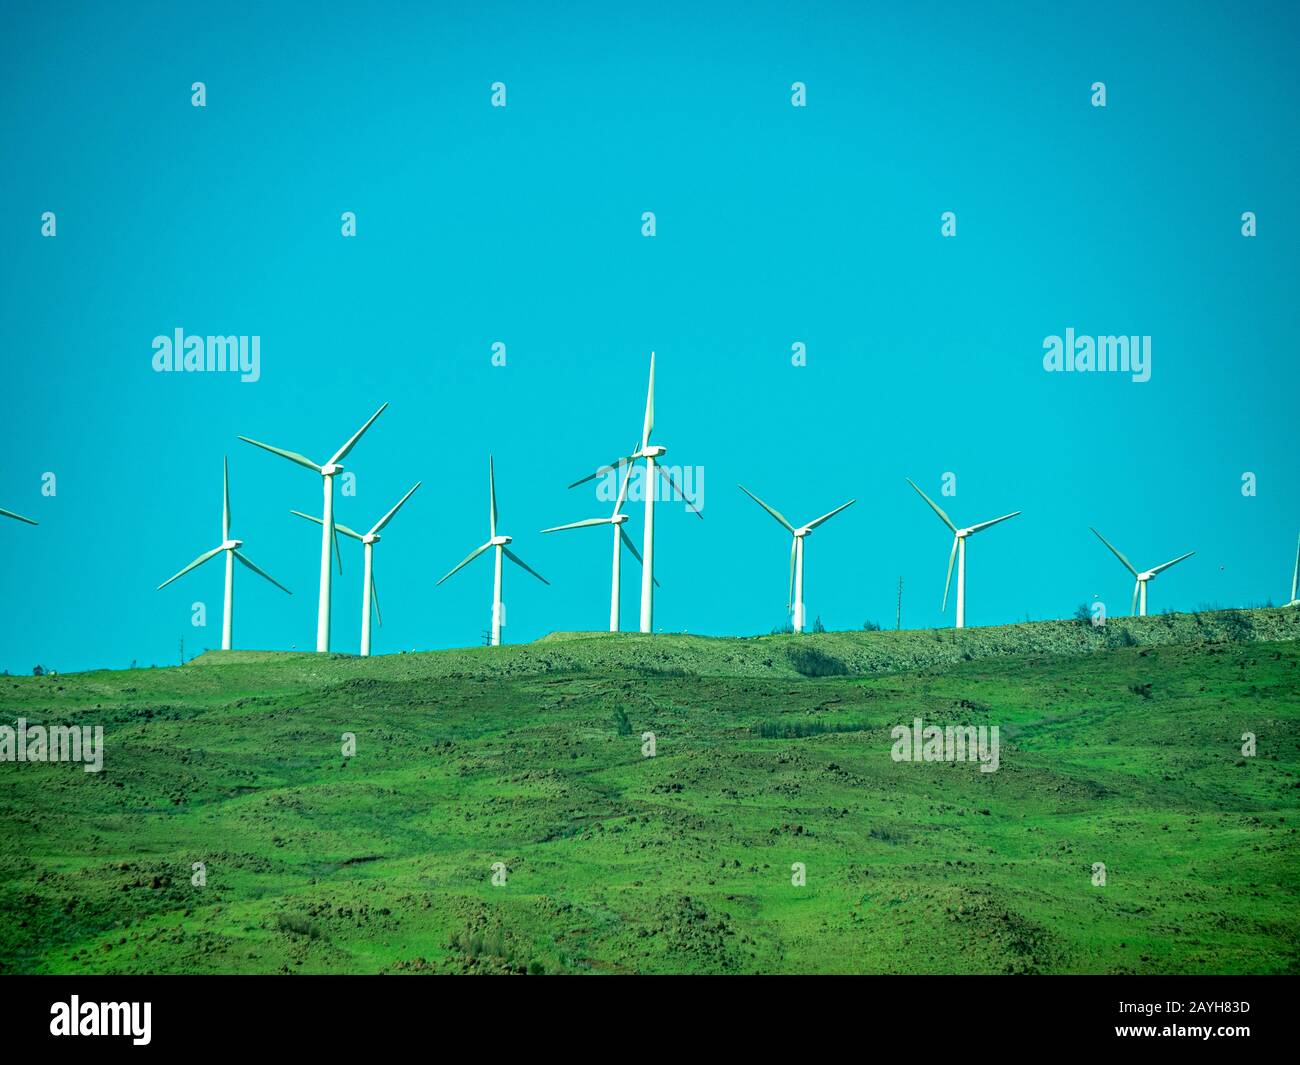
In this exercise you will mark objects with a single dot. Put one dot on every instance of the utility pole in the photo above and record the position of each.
(898, 614)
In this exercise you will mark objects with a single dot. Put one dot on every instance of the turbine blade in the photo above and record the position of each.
(262, 573)
(342, 452)
(622, 491)
(492, 493)
(663, 471)
(334, 536)
(1115, 551)
(337, 526)
(197, 562)
(578, 524)
(986, 524)
(771, 510)
(389, 516)
(17, 517)
(947, 581)
(648, 425)
(603, 470)
(934, 506)
(1172, 562)
(465, 561)
(1136, 586)
(827, 517)
(374, 599)
(520, 562)
(225, 513)
(627, 542)
(1295, 573)
(292, 456)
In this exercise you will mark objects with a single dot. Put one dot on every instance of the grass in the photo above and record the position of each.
(532, 757)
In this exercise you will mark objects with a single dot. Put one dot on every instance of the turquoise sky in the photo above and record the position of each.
(522, 225)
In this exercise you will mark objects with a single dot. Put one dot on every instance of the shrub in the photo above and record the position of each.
(797, 730)
(870, 626)
(814, 663)
(298, 926)
(621, 722)
(1119, 638)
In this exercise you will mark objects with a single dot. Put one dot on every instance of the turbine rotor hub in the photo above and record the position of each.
(499, 541)
(231, 545)
(330, 469)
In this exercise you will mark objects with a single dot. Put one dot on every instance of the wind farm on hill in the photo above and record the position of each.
(656, 802)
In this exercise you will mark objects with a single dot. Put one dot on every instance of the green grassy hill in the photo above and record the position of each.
(1120, 747)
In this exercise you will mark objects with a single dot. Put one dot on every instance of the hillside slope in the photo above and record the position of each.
(682, 862)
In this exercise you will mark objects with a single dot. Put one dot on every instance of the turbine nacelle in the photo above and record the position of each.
(371, 538)
(230, 545)
(1147, 576)
(331, 468)
(651, 451)
(499, 541)
(618, 519)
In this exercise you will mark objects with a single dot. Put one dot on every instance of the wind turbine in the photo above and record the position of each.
(327, 472)
(795, 595)
(1295, 575)
(1140, 588)
(649, 452)
(16, 517)
(231, 548)
(499, 542)
(369, 593)
(958, 552)
(617, 520)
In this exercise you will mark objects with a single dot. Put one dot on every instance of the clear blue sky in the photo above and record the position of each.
(522, 225)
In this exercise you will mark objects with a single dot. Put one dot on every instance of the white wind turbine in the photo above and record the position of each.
(231, 548)
(499, 542)
(1140, 587)
(649, 452)
(617, 520)
(795, 594)
(327, 472)
(958, 552)
(369, 593)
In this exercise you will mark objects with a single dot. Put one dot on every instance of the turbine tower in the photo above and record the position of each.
(795, 594)
(369, 593)
(231, 548)
(1140, 588)
(617, 520)
(958, 552)
(649, 452)
(328, 537)
(499, 542)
